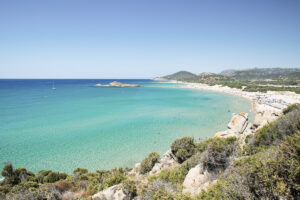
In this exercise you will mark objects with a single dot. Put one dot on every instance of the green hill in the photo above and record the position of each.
(181, 75)
(252, 80)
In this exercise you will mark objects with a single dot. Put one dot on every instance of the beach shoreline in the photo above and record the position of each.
(273, 101)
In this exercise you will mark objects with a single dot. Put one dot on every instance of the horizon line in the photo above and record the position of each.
(74, 78)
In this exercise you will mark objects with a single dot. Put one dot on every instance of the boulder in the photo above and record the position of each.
(224, 134)
(236, 126)
(238, 123)
(112, 193)
(264, 117)
(136, 169)
(197, 180)
(167, 161)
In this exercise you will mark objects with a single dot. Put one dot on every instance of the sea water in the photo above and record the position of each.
(80, 125)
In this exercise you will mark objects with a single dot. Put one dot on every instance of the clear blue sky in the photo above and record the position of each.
(145, 38)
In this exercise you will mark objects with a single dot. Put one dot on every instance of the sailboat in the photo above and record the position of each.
(53, 88)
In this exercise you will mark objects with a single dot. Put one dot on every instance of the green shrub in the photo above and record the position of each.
(215, 192)
(15, 176)
(103, 179)
(291, 108)
(52, 177)
(271, 174)
(30, 184)
(129, 188)
(159, 190)
(175, 176)
(42, 174)
(80, 171)
(8, 172)
(148, 163)
(202, 146)
(5, 188)
(183, 148)
(218, 152)
(192, 161)
(274, 132)
(113, 180)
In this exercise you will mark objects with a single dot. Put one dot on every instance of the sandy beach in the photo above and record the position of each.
(273, 101)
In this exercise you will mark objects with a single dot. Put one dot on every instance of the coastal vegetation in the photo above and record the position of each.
(266, 167)
(148, 163)
(253, 80)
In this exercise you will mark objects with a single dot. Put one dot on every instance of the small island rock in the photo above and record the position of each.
(117, 84)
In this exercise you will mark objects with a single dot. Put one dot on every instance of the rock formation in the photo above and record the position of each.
(196, 180)
(264, 117)
(167, 161)
(236, 126)
(112, 193)
(136, 169)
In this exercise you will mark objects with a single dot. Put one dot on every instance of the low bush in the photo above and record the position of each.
(175, 176)
(52, 177)
(217, 153)
(41, 175)
(183, 148)
(15, 176)
(5, 188)
(103, 179)
(148, 163)
(129, 189)
(159, 190)
(192, 161)
(80, 171)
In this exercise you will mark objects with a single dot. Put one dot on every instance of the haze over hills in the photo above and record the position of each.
(262, 73)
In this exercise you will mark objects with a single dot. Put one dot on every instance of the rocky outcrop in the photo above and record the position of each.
(264, 117)
(236, 126)
(117, 84)
(196, 180)
(238, 123)
(167, 161)
(112, 193)
(136, 169)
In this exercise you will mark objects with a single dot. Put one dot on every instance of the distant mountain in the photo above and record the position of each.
(207, 74)
(263, 73)
(251, 80)
(258, 74)
(228, 72)
(180, 75)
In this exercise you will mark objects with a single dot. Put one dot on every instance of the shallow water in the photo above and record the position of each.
(78, 125)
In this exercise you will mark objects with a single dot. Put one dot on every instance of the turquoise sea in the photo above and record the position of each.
(79, 125)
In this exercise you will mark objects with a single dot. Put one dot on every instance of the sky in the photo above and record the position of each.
(145, 38)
